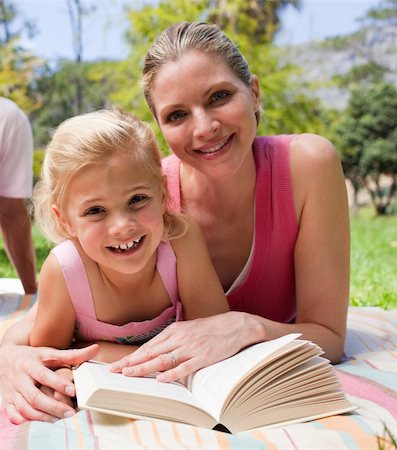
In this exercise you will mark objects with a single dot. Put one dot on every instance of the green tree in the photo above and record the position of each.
(258, 20)
(383, 14)
(368, 141)
(58, 94)
(17, 66)
(77, 11)
(373, 69)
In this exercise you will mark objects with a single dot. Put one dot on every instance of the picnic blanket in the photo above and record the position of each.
(368, 374)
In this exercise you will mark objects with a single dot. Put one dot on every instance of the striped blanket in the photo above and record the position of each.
(368, 375)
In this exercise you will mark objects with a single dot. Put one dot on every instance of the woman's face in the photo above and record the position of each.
(205, 112)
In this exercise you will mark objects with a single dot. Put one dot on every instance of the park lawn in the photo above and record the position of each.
(373, 259)
(42, 247)
(373, 280)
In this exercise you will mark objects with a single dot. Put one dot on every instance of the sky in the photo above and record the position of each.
(104, 29)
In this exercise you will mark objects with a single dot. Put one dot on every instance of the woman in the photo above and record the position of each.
(273, 211)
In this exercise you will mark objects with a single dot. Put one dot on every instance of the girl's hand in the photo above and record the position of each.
(64, 372)
(24, 368)
(185, 347)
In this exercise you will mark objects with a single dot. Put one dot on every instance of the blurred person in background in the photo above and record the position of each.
(16, 182)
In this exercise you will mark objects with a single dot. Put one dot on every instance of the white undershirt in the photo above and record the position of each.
(243, 274)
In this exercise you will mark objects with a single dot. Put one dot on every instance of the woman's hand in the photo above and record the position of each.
(24, 369)
(185, 347)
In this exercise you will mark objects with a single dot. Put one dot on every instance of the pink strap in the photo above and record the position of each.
(76, 277)
(79, 287)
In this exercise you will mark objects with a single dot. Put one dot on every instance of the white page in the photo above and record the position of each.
(118, 382)
(212, 384)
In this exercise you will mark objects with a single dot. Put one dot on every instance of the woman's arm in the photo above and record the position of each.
(24, 368)
(321, 259)
(322, 251)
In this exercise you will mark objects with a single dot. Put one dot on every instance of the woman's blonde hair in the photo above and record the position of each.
(87, 140)
(174, 41)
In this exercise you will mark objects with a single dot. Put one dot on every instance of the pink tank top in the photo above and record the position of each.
(268, 289)
(88, 328)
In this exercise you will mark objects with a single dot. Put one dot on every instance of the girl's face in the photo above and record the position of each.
(205, 112)
(115, 211)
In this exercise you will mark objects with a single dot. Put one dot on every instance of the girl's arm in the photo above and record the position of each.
(55, 319)
(322, 257)
(199, 287)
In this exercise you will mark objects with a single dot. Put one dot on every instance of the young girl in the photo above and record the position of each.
(124, 267)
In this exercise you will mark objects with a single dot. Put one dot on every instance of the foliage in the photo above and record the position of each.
(384, 13)
(42, 248)
(371, 72)
(58, 91)
(258, 20)
(17, 66)
(38, 157)
(373, 69)
(368, 141)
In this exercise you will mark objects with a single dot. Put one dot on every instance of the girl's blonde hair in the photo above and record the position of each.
(174, 41)
(86, 140)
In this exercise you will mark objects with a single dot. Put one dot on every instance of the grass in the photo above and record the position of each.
(42, 249)
(373, 259)
(373, 280)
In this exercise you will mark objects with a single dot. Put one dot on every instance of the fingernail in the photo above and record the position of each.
(128, 372)
(69, 390)
(68, 414)
(161, 377)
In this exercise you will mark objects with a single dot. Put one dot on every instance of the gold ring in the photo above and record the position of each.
(173, 360)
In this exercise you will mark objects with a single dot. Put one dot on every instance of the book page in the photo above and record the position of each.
(212, 384)
(92, 376)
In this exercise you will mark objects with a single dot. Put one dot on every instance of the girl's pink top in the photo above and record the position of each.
(268, 288)
(88, 327)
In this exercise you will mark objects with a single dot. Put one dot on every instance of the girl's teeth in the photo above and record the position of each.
(128, 245)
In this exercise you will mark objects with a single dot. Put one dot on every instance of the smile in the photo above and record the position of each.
(121, 248)
(215, 148)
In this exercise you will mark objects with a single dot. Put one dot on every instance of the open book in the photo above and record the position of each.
(272, 383)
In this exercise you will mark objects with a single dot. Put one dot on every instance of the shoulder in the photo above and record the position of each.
(169, 162)
(312, 157)
(51, 271)
(15, 127)
(315, 166)
(11, 111)
(313, 148)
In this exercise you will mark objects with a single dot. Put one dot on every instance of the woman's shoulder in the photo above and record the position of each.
(313, 148)
(315, 165)
(169, 161)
